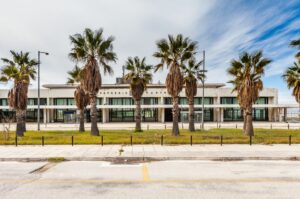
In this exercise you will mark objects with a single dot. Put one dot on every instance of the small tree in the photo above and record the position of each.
(174, 52)
(94, 51)
(247, 73)
(139, 74)
(21, 69)
(81, 98)
(192, 73)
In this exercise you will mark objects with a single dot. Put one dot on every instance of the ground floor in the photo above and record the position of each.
(149, 115)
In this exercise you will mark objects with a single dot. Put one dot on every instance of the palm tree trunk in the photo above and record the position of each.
(175, 129)
(138, 127)
(20, 125)
(191, 115)
(81, 121)
(24, 120)
(245, 119)
(249, 124)
(94, 114)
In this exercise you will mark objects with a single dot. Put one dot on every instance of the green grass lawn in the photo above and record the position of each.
(230, 136)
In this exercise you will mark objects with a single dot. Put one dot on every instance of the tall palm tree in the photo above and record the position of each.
(139, 76)
(296, 43)
(292, 78)
(94, 51)
(81, 98)
(174, 52)
(192, 74)
(20, 69)
(247, 73)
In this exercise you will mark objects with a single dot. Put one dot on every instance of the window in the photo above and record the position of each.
(149, 100)
(229, 100)
(64, 101)
(262, 100)
(121, 101)
(3, 102)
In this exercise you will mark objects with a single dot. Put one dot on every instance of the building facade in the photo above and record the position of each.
(115, 104)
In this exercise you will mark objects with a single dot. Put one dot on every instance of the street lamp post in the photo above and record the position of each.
(202, 121)
(39, 62)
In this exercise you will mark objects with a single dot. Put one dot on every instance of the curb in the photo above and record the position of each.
(128, 160)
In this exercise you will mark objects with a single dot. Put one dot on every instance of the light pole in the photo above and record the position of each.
(39, 62)
(203, 90)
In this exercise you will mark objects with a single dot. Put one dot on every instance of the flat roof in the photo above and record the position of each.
(62, 86)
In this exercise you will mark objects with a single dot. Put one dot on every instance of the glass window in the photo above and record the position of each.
(3, 102)
(149, 100)
(99, 101)
(262, 100)
(64, 101)
(229, 100)
(121, 101)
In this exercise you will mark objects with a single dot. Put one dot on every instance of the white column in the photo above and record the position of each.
(45, 115)
(221, 115)
(162, 115)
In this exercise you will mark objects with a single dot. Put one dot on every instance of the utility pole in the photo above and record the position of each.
(203, 90)
(38, 101)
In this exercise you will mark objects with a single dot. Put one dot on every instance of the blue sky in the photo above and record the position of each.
(224, 28)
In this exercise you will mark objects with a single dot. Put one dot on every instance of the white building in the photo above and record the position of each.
(115, 104)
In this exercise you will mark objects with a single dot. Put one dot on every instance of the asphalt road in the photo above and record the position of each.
(165, 179)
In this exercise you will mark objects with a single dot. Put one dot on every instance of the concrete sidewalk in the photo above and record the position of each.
(151, 152)
(156, 125)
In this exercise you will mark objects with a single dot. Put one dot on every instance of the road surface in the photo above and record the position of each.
(162, 179)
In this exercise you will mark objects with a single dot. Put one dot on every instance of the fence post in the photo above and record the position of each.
(182, 125)
(191, 140)
(131, 140)
(162, 140)
(165, 126)
(148, 127)
(290, 140)
(236, 126)
(72, 140)
(16, 141)
(101, 140)
(271, 126)
(221, 140)
(288, 126)
(42, 140)
(250, 140)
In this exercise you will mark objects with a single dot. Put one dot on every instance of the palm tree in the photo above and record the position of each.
(292, 78)
(139, 76)
(94, 51)
(247, 73)
(192, 73)
(174, 52)
(20, 69)
(296, 43)
(81, 98)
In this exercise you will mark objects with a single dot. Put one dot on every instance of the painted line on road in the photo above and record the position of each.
(146, 177)
(95, 181)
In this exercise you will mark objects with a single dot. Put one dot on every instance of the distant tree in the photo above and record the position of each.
(93, 50)
(247, 73)
(81, 98)
(292, 78)
(20, 69)
(139, 75)
(174, 52)
(192, 74)
(296, 43)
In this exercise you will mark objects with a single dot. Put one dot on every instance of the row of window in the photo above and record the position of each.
(233, 100)
(130, 101)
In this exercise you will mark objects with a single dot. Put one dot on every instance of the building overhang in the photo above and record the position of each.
(160, 106)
